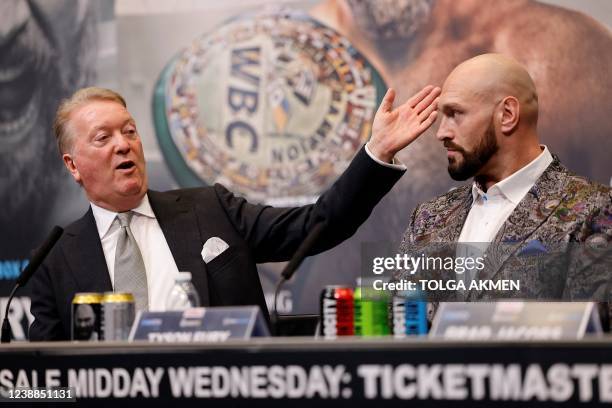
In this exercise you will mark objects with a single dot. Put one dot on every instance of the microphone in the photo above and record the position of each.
(299, 256)
(39, 256)
(303, 250)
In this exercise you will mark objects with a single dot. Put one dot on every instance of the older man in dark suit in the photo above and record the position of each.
(136, 240)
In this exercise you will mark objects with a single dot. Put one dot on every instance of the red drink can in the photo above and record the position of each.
(337, 312)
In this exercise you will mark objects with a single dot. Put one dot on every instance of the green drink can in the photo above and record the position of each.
(371, 310)
(357, 324)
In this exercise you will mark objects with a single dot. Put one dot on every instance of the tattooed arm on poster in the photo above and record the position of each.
(394, 129)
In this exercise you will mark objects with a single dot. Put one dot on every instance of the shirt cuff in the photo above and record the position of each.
(397, 165)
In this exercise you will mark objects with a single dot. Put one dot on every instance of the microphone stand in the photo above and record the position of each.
(274, 318)
(39, 255)
(301, 253)
(6, 324)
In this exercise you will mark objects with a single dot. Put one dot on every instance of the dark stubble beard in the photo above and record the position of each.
(474, 160)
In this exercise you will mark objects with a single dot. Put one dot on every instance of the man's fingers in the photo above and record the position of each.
(428, 109)
(427, 122)
(415, 99)
(427, 100)
(387, 103)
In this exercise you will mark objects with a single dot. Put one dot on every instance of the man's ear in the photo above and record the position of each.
(510, 114)
(71, 166)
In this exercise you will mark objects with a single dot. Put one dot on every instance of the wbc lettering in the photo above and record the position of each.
(243, 96)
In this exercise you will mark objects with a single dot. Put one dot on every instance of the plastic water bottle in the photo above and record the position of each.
(183, 295)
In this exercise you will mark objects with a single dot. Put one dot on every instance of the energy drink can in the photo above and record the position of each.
(371, 310)
(118, 312)
(357, 316)
(409, 316)
(337, 312)
(86, 317)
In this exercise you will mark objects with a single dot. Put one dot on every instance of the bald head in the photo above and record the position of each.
(493, 77)
(489, 109)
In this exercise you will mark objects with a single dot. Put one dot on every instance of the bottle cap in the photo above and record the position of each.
(183, 277)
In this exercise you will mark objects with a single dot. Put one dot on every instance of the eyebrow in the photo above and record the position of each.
(104, 126)
(450, 105)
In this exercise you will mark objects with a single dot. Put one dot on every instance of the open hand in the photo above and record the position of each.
(394, 129)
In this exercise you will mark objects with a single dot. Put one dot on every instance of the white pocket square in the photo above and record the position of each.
(212, 248)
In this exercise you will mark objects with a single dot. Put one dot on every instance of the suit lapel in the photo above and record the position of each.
(84, 254)
(180, 226)
(530, 214)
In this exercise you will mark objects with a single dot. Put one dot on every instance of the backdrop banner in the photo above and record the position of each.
(273, 99)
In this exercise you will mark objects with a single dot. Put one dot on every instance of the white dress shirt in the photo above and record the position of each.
(490, 210)
(158, 260)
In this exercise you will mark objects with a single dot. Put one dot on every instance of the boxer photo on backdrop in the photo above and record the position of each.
(136, 240)
(567, 53)
(48, 51)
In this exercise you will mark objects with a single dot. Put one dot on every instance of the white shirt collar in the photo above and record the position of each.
(104, 218)
(515, 186)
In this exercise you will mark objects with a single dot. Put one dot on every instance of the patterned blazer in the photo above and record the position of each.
(561, 209)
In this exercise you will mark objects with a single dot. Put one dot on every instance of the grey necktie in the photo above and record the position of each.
(130, 273)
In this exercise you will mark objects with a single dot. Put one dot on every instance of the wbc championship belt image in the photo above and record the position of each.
(273, 105)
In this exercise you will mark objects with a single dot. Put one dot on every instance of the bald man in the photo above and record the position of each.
(416, 42)
(522, 199)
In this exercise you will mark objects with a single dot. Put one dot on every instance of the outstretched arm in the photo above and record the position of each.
(274, 233)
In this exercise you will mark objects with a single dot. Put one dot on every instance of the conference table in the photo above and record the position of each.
(292, 372)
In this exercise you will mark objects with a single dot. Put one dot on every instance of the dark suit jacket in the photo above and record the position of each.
(188, 218)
